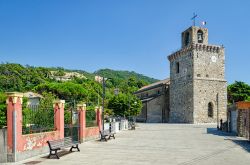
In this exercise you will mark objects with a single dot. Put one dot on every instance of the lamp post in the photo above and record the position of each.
(103, 98)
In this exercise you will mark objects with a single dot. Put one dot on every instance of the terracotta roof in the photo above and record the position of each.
(156, 84)
(243, 105)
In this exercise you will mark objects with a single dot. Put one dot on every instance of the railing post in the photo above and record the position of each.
(59, 117)
(14, 123)
(82, 120)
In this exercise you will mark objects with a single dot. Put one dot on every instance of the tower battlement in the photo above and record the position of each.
(197, 47)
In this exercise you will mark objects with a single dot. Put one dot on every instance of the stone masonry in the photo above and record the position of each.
(197, 80)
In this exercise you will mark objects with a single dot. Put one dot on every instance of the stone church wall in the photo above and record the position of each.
(205, 92)
(209, 80)
(181, 89)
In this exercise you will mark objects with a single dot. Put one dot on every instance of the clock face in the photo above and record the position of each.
(213, 59)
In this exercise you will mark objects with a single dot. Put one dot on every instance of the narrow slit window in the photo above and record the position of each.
(177, 67)
(210, 109)
(187, 39)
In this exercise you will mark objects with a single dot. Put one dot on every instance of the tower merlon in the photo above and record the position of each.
(197, 47)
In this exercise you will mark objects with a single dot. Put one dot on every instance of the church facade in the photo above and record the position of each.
(198, 89)
(155, 101)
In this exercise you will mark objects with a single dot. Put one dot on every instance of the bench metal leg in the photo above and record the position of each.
(76, 147)
(49, 154)
(103, 138)
(112, 135)
(55, 153)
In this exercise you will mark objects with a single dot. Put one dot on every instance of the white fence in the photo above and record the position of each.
(3, 146)
(119, 126)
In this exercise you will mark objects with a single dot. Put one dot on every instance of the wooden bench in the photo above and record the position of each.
(55, 145)
(106, 134)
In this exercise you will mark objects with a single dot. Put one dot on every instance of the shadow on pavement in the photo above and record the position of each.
(60, 154)
(244, 144)
(32, 162)
(214, 131)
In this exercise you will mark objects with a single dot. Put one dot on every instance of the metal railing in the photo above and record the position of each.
(37, 119)
(91, 118)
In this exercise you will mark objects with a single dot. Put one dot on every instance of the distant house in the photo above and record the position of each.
(155, 99)
(33, 98)
(98, 79)
(67, 76)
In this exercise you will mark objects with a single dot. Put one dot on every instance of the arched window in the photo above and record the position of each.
(200, 36)
(187, 38)
(210, 112)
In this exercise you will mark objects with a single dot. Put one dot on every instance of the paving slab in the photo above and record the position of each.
(168, 144)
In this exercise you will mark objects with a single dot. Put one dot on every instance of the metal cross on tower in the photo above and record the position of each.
(193, 18)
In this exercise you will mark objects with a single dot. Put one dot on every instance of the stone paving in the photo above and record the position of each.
(168, 144)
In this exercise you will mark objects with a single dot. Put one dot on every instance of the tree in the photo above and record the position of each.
(59, 73)
(65, 90)
(39, 118)
(15, 77)
(125, 105)
(2, 110)
(238, 91)
(135, 106)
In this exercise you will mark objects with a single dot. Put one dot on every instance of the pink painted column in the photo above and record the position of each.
(59, 117)
(99, 117)
(82, 120)
(14, 129)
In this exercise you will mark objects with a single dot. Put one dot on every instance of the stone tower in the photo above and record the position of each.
(197, 80)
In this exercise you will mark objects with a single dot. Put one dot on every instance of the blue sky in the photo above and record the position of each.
(135, 35)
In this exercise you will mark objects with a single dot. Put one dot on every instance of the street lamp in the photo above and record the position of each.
(103, 98)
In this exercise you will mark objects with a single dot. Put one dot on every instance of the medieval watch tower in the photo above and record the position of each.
(197, 80)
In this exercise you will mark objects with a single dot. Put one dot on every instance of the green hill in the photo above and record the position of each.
(16, 77)
(118, 76)
(73, 85)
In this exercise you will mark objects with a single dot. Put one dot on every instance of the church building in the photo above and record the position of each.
(197, 89)
(155, 101)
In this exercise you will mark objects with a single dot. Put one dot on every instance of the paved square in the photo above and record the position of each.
(173, 144)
